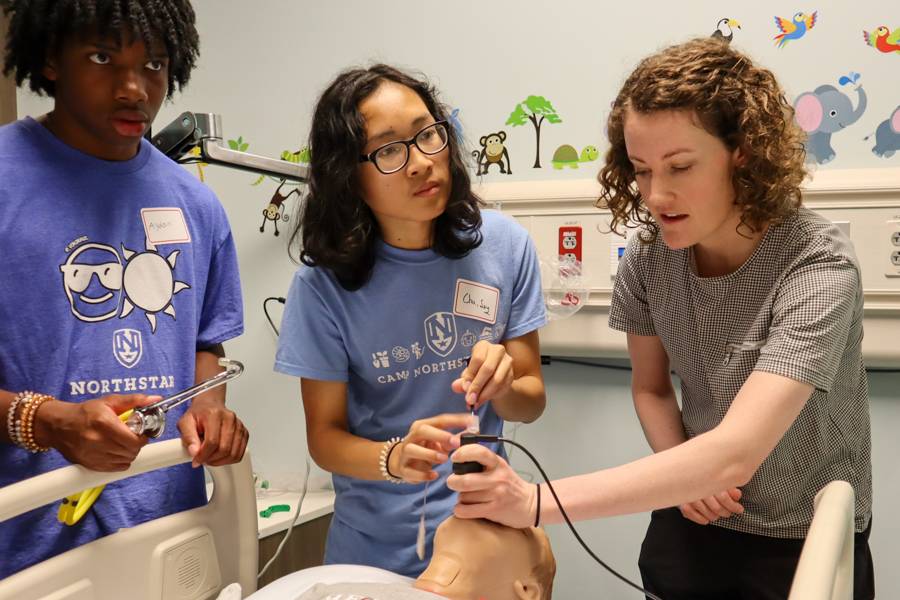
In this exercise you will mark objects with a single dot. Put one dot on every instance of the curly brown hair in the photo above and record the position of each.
(737, 101)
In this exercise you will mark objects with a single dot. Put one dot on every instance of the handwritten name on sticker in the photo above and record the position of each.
(165, 226)
(476, 301)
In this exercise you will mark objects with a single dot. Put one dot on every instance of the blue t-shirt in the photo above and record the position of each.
(398, 343)
(114, 274)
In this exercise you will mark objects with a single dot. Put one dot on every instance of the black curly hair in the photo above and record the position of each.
(38, 28)
(336, 229)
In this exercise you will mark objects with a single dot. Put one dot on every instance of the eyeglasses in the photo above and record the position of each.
(392, 157)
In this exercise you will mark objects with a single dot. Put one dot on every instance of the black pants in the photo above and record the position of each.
(682, 560)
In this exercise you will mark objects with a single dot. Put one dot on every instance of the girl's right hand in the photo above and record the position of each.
(427, 444)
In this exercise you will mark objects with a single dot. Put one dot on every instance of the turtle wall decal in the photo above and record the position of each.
(567, 156)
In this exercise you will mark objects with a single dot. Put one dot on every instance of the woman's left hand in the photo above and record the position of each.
(497, 493)
(489, 374)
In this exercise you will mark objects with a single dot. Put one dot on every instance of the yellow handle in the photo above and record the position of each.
(73, 508)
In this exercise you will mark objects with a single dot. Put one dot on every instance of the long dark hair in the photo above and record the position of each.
(37, 29)
(336, 229)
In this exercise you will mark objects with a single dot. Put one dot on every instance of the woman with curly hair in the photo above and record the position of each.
(755, 302)
(403, 280)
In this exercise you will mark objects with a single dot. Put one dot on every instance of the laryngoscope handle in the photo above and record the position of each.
(150, 420)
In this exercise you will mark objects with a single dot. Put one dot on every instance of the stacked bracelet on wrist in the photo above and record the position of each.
(21, 430)
(385, 460)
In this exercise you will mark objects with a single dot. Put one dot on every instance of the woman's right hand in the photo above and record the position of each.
(497, 493)
(427, 444)
(90, 433)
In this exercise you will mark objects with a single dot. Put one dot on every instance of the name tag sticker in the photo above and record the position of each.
(165, 226)
(476, 301)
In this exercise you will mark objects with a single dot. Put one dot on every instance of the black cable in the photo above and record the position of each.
(496, 438)
(546, 360)
(266, 310)
(551, 359)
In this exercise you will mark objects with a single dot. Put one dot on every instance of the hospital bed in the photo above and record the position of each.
(825, 571)
(191, 555)
(195, 554)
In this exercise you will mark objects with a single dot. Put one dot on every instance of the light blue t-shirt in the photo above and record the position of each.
(114, 274)
(399, 342)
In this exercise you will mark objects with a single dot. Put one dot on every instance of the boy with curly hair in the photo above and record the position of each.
(120, 278)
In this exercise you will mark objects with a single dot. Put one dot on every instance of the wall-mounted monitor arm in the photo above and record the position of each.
(190, 130)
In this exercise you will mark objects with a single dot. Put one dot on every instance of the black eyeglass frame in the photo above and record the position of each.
(370, 157)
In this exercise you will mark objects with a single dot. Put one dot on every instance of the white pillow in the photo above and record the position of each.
(291, 587)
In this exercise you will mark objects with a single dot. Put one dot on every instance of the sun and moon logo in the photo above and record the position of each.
(100, 284)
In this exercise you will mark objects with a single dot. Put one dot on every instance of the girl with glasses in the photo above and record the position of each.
(411, 308)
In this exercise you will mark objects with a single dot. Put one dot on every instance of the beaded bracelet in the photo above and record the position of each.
(11, 417)
(25, 426)
(385, 456)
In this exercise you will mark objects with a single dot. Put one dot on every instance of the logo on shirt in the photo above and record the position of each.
(440, 333)
(128, 347)
(95, 277)
(92, 277)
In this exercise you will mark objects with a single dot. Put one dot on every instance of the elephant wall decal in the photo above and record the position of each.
(823, 112)
(887, 136)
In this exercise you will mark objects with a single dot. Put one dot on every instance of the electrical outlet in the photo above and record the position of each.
(570, 242)
(892, 249)
(617, 245)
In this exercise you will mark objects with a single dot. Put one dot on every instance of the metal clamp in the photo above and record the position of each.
(150, 420)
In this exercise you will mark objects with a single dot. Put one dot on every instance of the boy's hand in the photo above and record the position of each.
(213, 435)
(90, 433)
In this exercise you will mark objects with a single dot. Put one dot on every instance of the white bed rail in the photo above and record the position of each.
(190, 555)
(825, 570)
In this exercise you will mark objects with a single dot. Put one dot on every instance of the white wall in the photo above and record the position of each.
(264, 62)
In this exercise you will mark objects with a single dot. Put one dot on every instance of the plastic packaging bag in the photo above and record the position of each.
(266, 486)
(232, 592)
(565, 286)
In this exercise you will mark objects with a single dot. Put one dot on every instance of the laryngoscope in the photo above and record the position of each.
(150, 420)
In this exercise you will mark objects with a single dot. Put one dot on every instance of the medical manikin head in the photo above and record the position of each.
(475, 558)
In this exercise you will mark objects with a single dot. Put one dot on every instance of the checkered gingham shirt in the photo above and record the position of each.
(795, 308)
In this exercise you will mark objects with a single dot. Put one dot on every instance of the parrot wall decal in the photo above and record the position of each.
(723, 30)
(794, 29)
(883, 40)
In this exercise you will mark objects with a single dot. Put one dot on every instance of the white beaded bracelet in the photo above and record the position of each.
(383, 463)
(11, 418)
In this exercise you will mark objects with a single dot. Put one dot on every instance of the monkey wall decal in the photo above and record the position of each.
(273, 212)
(492, 152)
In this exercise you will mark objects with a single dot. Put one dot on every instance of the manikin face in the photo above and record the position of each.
(406, 202)
(476, 559)
(106, 93)
(684, 176)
